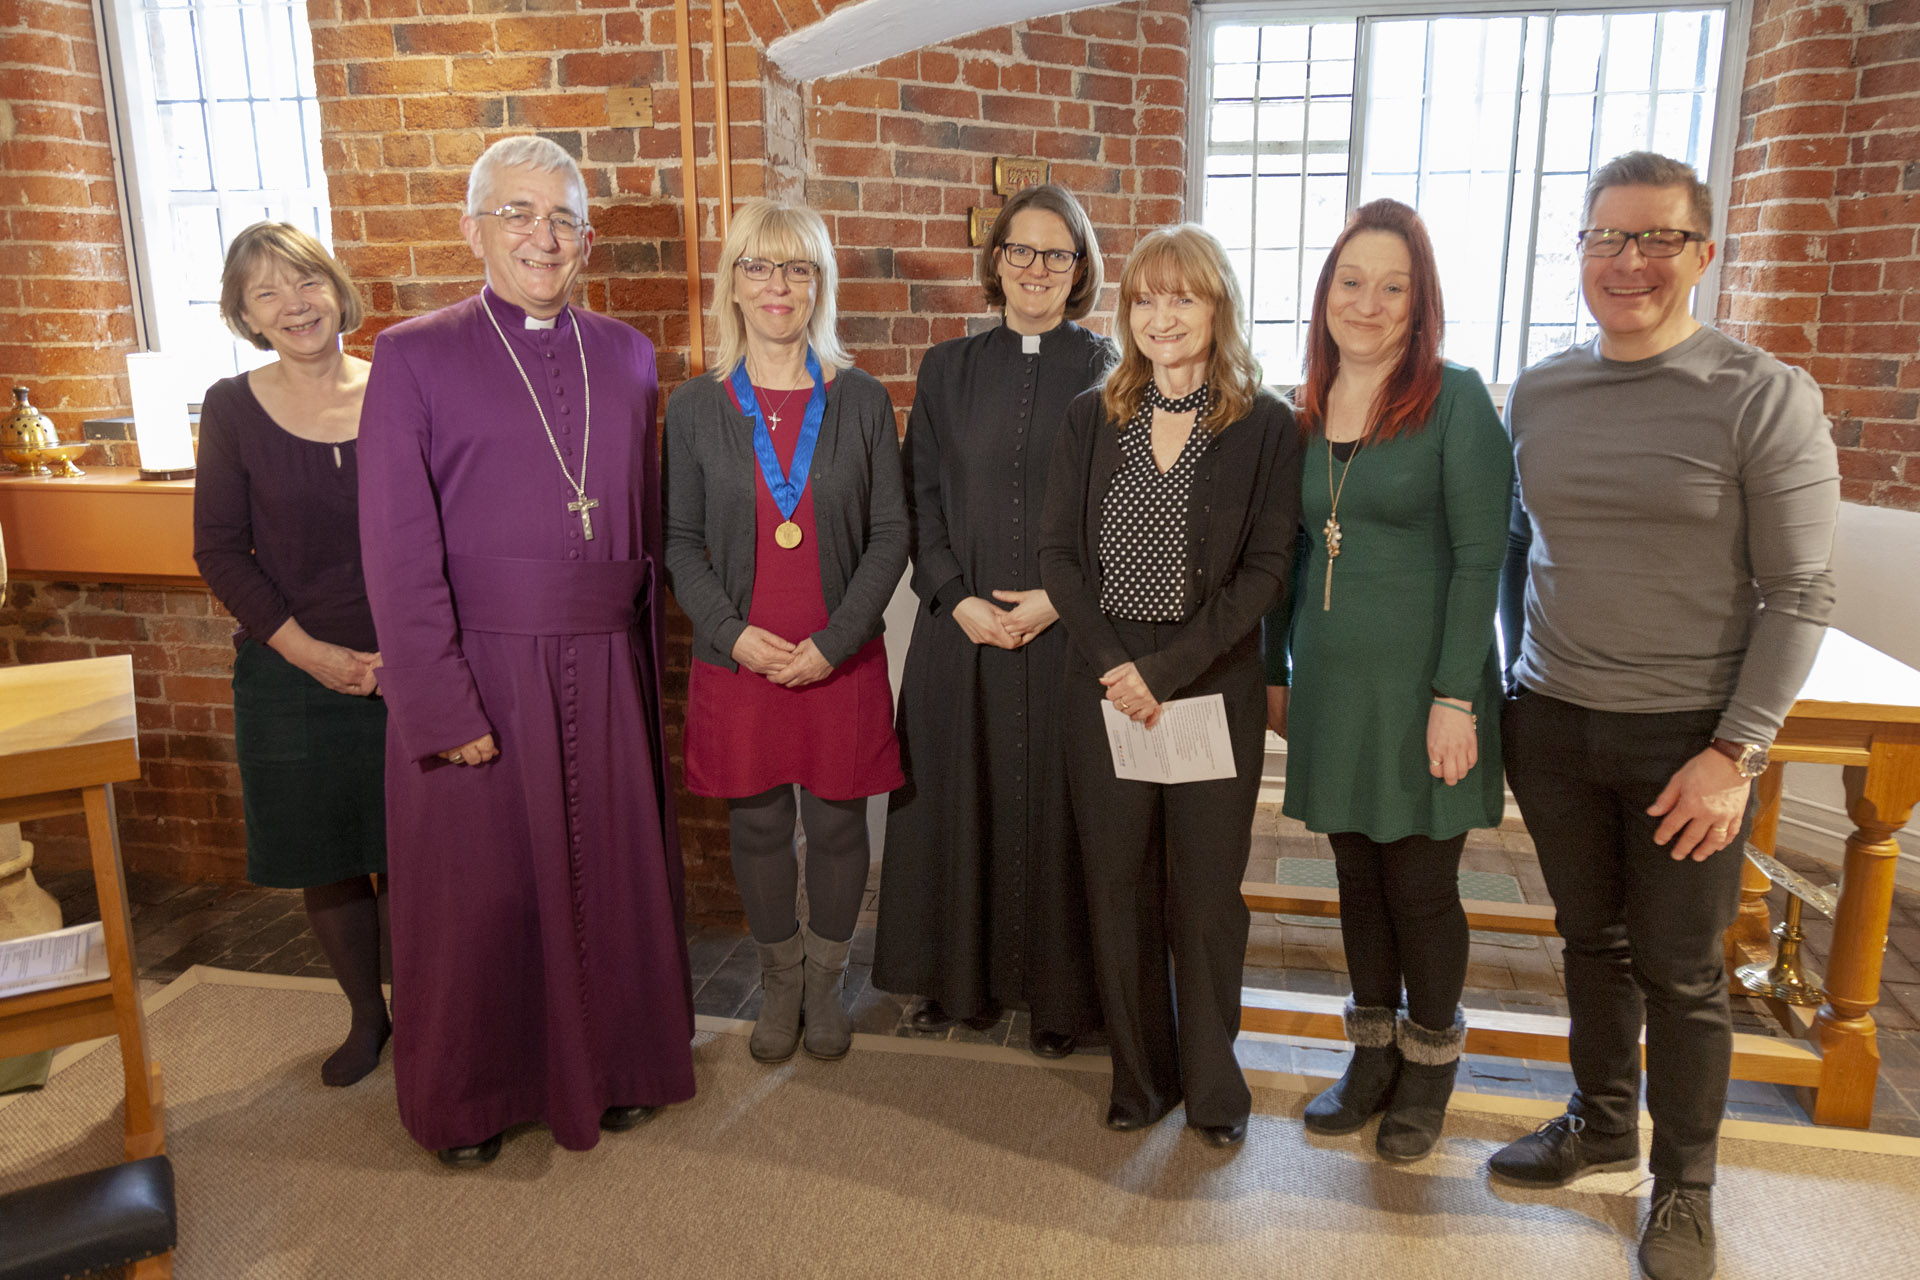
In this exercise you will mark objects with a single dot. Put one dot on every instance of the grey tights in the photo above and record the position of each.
(766, 868)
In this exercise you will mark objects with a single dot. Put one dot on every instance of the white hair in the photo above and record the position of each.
(530, 151)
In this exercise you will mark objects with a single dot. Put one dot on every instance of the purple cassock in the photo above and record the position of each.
(539, 952)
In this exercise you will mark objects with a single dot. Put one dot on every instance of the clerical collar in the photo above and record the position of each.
(515, 317)
(1030, 344)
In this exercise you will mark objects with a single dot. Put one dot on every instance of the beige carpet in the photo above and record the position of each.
(904, 1160)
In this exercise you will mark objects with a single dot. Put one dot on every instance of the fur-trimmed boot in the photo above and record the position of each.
(776, 1033)
(1429, 1059)
(1362, 1091)
(829, 1030)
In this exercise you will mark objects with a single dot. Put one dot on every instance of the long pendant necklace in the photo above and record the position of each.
(1331, 531)
(786, 403)
(582, 505)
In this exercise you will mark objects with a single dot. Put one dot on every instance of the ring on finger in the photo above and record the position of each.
(1433, 764)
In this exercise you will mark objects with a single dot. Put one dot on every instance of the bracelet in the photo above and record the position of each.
(1442, 702)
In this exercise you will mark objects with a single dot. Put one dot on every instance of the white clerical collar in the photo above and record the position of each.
(532, 323)
(1030, 344)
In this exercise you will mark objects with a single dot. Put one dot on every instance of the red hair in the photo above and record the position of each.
(1407, 398)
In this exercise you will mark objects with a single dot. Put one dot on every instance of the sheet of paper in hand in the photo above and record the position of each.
(1189, 743)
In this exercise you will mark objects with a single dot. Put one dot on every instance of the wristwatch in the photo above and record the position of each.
(1750, 758)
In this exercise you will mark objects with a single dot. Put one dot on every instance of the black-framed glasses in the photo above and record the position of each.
(524, 222)
(1022, 255)
(796, 270)
(1660, 242)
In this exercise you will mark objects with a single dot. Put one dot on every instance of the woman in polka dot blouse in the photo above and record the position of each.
(1172, 505)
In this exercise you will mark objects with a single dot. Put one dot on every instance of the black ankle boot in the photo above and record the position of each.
(1418, 1108)
(1362, 1091)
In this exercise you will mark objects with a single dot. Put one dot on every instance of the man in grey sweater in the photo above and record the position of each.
(1672, 536)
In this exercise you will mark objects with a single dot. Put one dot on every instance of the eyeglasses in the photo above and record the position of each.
(1022, 255)
(1661, 242)
(796, 270)
(521, 222)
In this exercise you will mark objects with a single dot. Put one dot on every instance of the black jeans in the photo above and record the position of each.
(1643, 931)
(1402, 923)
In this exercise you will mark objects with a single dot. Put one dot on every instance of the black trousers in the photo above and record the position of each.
(1643, 931)
(1163, 869)
(1402, 924)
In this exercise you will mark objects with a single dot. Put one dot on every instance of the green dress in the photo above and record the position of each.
(1423, 522)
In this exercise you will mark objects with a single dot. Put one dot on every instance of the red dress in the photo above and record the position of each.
(746, 734)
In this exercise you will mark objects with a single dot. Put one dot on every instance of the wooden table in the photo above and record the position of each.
(1859, 709)
(66, 735)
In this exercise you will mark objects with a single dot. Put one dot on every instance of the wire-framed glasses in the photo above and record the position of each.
(1021, 255)
(524, 222)
(796, 270)
(1660, 242)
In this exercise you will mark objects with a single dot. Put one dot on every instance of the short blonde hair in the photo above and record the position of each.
(779, 232)
(281, 242)
(1184, 259)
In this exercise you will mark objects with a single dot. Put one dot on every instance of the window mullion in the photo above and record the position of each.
(1533, 212)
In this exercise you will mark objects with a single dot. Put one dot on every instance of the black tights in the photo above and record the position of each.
(1402, 923)
(767, 871)
(349, 918)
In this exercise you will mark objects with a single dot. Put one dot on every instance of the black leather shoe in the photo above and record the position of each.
(1050, 1044)
(621, 1119)
(1563, 1149)
(929, 1015)
(1123, 1121)
(1222, 1135)
(986, 1019)
(470, 1157)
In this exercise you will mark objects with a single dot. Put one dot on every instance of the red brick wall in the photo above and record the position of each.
(183, 816)
(1823, 245)
(66, 316)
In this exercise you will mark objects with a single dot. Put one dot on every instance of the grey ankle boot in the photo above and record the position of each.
(776, 1034)
(1418, 1108)
(829, 1030)
(1368, 1081)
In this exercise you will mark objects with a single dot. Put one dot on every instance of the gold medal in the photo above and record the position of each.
(787, 535)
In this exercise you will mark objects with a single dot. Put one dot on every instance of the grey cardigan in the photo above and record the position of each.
(859, 506)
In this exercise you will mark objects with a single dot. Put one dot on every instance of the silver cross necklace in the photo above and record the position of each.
(582, 505)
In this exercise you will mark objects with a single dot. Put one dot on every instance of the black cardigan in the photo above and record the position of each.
(859, 505)
(1242, 517)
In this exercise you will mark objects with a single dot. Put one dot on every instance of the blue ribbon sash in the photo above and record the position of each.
(786, 488)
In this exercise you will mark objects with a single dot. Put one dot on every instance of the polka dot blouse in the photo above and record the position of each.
(1143, 522)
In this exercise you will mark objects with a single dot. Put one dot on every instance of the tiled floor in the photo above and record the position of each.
(264, 930)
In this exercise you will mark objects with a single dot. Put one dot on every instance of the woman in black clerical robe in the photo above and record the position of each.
(981, 903)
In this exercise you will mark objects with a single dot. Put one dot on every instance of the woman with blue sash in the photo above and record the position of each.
(786, 534)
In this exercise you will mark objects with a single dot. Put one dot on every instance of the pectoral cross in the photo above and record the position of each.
(584, 509)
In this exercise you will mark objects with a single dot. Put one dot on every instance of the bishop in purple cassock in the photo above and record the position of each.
(510, 526)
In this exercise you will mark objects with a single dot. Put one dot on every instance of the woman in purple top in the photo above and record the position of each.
(276, 536)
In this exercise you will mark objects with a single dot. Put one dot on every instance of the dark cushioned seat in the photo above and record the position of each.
(88, 1222)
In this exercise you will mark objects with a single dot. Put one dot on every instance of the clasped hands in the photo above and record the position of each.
(984, 622)
(793, 666)
(1130, 695)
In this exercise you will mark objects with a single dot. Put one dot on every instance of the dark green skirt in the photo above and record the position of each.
(312, 774)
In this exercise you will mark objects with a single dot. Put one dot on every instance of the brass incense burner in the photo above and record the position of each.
(28, 440)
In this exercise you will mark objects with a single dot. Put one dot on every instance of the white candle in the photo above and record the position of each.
(160, 425)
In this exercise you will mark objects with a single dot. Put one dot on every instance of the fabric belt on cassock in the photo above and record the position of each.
(547, 597)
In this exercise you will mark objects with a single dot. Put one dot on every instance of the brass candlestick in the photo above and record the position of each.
(1783, 979)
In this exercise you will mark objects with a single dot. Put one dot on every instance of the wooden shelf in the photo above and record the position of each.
(106, 526)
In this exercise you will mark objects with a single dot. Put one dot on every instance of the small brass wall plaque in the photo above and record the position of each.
(980, 225)
(1011, 175)
(629, 108)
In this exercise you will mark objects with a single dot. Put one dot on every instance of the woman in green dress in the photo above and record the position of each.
(1391, 720)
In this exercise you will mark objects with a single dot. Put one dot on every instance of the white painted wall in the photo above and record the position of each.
(1876, 563)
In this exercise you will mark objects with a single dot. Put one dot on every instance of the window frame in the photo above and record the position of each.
(139, 166)
(1212, 14)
